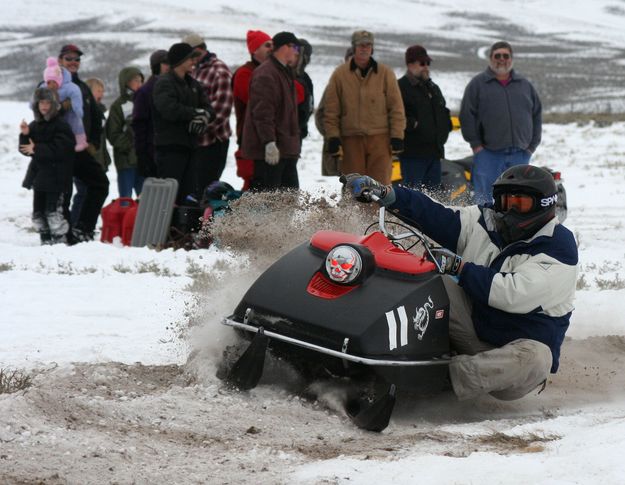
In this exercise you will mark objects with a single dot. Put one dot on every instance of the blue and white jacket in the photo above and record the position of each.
(523, 290)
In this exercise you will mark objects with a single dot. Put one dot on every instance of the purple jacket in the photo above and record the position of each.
(142, 120)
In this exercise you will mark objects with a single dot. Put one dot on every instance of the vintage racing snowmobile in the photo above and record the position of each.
(362, 307)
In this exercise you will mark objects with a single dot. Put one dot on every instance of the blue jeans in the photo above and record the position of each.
(128, 179)
(416, 172)
(490, 164)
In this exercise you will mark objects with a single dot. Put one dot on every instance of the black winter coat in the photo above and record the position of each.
(175, 101)
(91, 118)
(51, 166)
(424, 103)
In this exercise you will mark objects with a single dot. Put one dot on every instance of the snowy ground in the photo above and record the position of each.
(107, 330)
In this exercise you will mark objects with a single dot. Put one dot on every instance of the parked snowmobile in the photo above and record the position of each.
(362, 307)
(456, 180)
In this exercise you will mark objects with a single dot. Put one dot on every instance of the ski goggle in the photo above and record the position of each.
(522, 203)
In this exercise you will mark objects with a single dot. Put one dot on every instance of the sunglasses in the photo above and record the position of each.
(71, 59)
(269, 45)
(294, 47)
(522, 203)
(424, 63)
(500, 55)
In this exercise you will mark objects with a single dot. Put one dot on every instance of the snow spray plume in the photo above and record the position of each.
(258, 229)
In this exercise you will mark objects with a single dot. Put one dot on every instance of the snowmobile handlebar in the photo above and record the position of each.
(413, 232)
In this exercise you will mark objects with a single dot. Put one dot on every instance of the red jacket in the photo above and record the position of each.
(241, 92)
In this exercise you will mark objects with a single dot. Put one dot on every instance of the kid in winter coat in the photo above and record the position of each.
(49, 141)
(59, 80)
(119, 133)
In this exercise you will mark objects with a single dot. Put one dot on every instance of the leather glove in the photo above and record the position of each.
(449, 262)
(397, 146)
(272, 154)
(362, 186)
(334, 147)
(199, 123)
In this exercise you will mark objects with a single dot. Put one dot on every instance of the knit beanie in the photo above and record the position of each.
(156, 59)
(417, 53)
(180, 52)
(53, 71)
(256, 38)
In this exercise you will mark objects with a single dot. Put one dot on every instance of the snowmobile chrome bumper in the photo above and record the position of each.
(341, 355)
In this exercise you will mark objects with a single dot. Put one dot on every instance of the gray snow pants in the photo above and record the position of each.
(507, 373)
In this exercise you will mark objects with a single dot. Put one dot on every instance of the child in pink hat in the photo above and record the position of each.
(59, 80)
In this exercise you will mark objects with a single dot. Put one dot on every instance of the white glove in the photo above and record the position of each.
(272, 154)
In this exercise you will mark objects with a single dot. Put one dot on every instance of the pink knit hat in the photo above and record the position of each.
(53, 71)
(256, 38)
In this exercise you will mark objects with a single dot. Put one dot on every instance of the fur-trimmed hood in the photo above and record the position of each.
(45, 94)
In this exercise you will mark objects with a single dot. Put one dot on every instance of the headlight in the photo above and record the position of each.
(343, 264)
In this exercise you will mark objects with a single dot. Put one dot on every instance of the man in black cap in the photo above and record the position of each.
(271, 132)
(142, 123)
(427, 122)
(87, 170)
(182, 113)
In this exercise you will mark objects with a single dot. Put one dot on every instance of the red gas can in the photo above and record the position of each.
(128, 224)
(112, 217)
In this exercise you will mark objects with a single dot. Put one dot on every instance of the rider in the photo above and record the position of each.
(512, 274)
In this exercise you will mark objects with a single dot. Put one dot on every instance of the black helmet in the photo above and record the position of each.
(217, 190)
(522, 217)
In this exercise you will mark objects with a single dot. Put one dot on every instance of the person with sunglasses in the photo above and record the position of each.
(271, 134)
(510, 272)
(501, 118)
(427, 122)
(91, 181)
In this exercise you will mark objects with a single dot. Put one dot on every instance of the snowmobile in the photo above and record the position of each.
(361, 307)
(456, 181)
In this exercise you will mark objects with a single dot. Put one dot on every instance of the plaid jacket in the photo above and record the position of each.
(215, 78)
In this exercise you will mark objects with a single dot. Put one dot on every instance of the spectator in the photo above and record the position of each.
(259, 45)
(182, 113)
(86, 169)
(50, 142)
(102, 155)
(216, 80)
(501, 118)
(427, 122)
(364, 114)
(59, 80)
(143, 115)
(330, 164)
(511, 284)
(119, 133)
(271, 134)
(306, 107)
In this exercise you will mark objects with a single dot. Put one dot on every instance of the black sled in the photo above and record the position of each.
(360, 307)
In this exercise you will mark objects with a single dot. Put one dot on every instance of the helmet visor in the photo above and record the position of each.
(522, 203)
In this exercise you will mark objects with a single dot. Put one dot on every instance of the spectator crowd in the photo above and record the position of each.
(176, 124)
